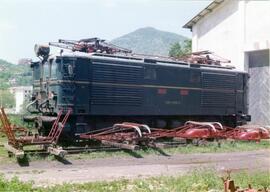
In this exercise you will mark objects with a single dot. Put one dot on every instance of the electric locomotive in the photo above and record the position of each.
(104, 85)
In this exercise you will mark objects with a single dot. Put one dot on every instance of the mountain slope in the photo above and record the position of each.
(14, 75)
(149, 41)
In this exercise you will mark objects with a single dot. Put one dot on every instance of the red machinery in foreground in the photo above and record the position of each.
(125, 135)
(130, 135)
(15, 144)
(248, 133)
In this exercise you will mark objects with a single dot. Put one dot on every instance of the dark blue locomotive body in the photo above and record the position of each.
(104, 89)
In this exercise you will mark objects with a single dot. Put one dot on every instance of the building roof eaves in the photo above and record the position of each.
(204, 12)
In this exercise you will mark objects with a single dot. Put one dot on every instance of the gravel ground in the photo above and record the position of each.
(45, 173)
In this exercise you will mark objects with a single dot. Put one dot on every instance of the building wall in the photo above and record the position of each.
(21, 94)
(234, 28)
(257, 25)
(19, 98)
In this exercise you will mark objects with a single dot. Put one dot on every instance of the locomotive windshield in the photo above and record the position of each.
(47, 70)
(50, 69)
(53, 70)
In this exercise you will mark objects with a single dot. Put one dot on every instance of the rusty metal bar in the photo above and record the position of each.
(61, 126)
(7, 128)
(55, 124)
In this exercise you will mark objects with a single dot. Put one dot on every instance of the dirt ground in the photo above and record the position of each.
(78, 171)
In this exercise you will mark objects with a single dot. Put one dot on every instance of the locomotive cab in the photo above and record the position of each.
(49, 93)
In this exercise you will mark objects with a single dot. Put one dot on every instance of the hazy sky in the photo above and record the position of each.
(26, 22)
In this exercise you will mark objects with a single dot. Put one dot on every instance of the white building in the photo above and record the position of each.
(21, 94)
(239, 31)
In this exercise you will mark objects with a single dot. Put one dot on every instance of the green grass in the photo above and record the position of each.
(3, 152)
(195, 181)
(18, 121)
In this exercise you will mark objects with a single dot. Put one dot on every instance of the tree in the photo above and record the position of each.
(7, 99)
(178, 50)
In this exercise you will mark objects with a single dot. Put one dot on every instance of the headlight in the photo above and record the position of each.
(42, 50)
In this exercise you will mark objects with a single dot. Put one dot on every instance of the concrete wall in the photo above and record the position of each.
(259, 86)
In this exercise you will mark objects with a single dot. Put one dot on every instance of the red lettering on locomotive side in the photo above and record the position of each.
(184, 92)
(162, 91)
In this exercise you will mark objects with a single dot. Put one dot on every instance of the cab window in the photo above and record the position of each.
(53, 70)
(46, 70)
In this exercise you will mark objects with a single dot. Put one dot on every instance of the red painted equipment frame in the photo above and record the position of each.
(19, 142)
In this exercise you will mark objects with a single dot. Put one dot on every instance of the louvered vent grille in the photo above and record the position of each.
(128, 96)
(217, 99)
(113, 73)
(218, 81)
(218, 90)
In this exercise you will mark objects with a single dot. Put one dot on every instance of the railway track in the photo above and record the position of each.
(72, 150)
(89, 149)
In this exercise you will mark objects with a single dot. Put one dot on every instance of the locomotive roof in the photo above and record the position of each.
(154, 60)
